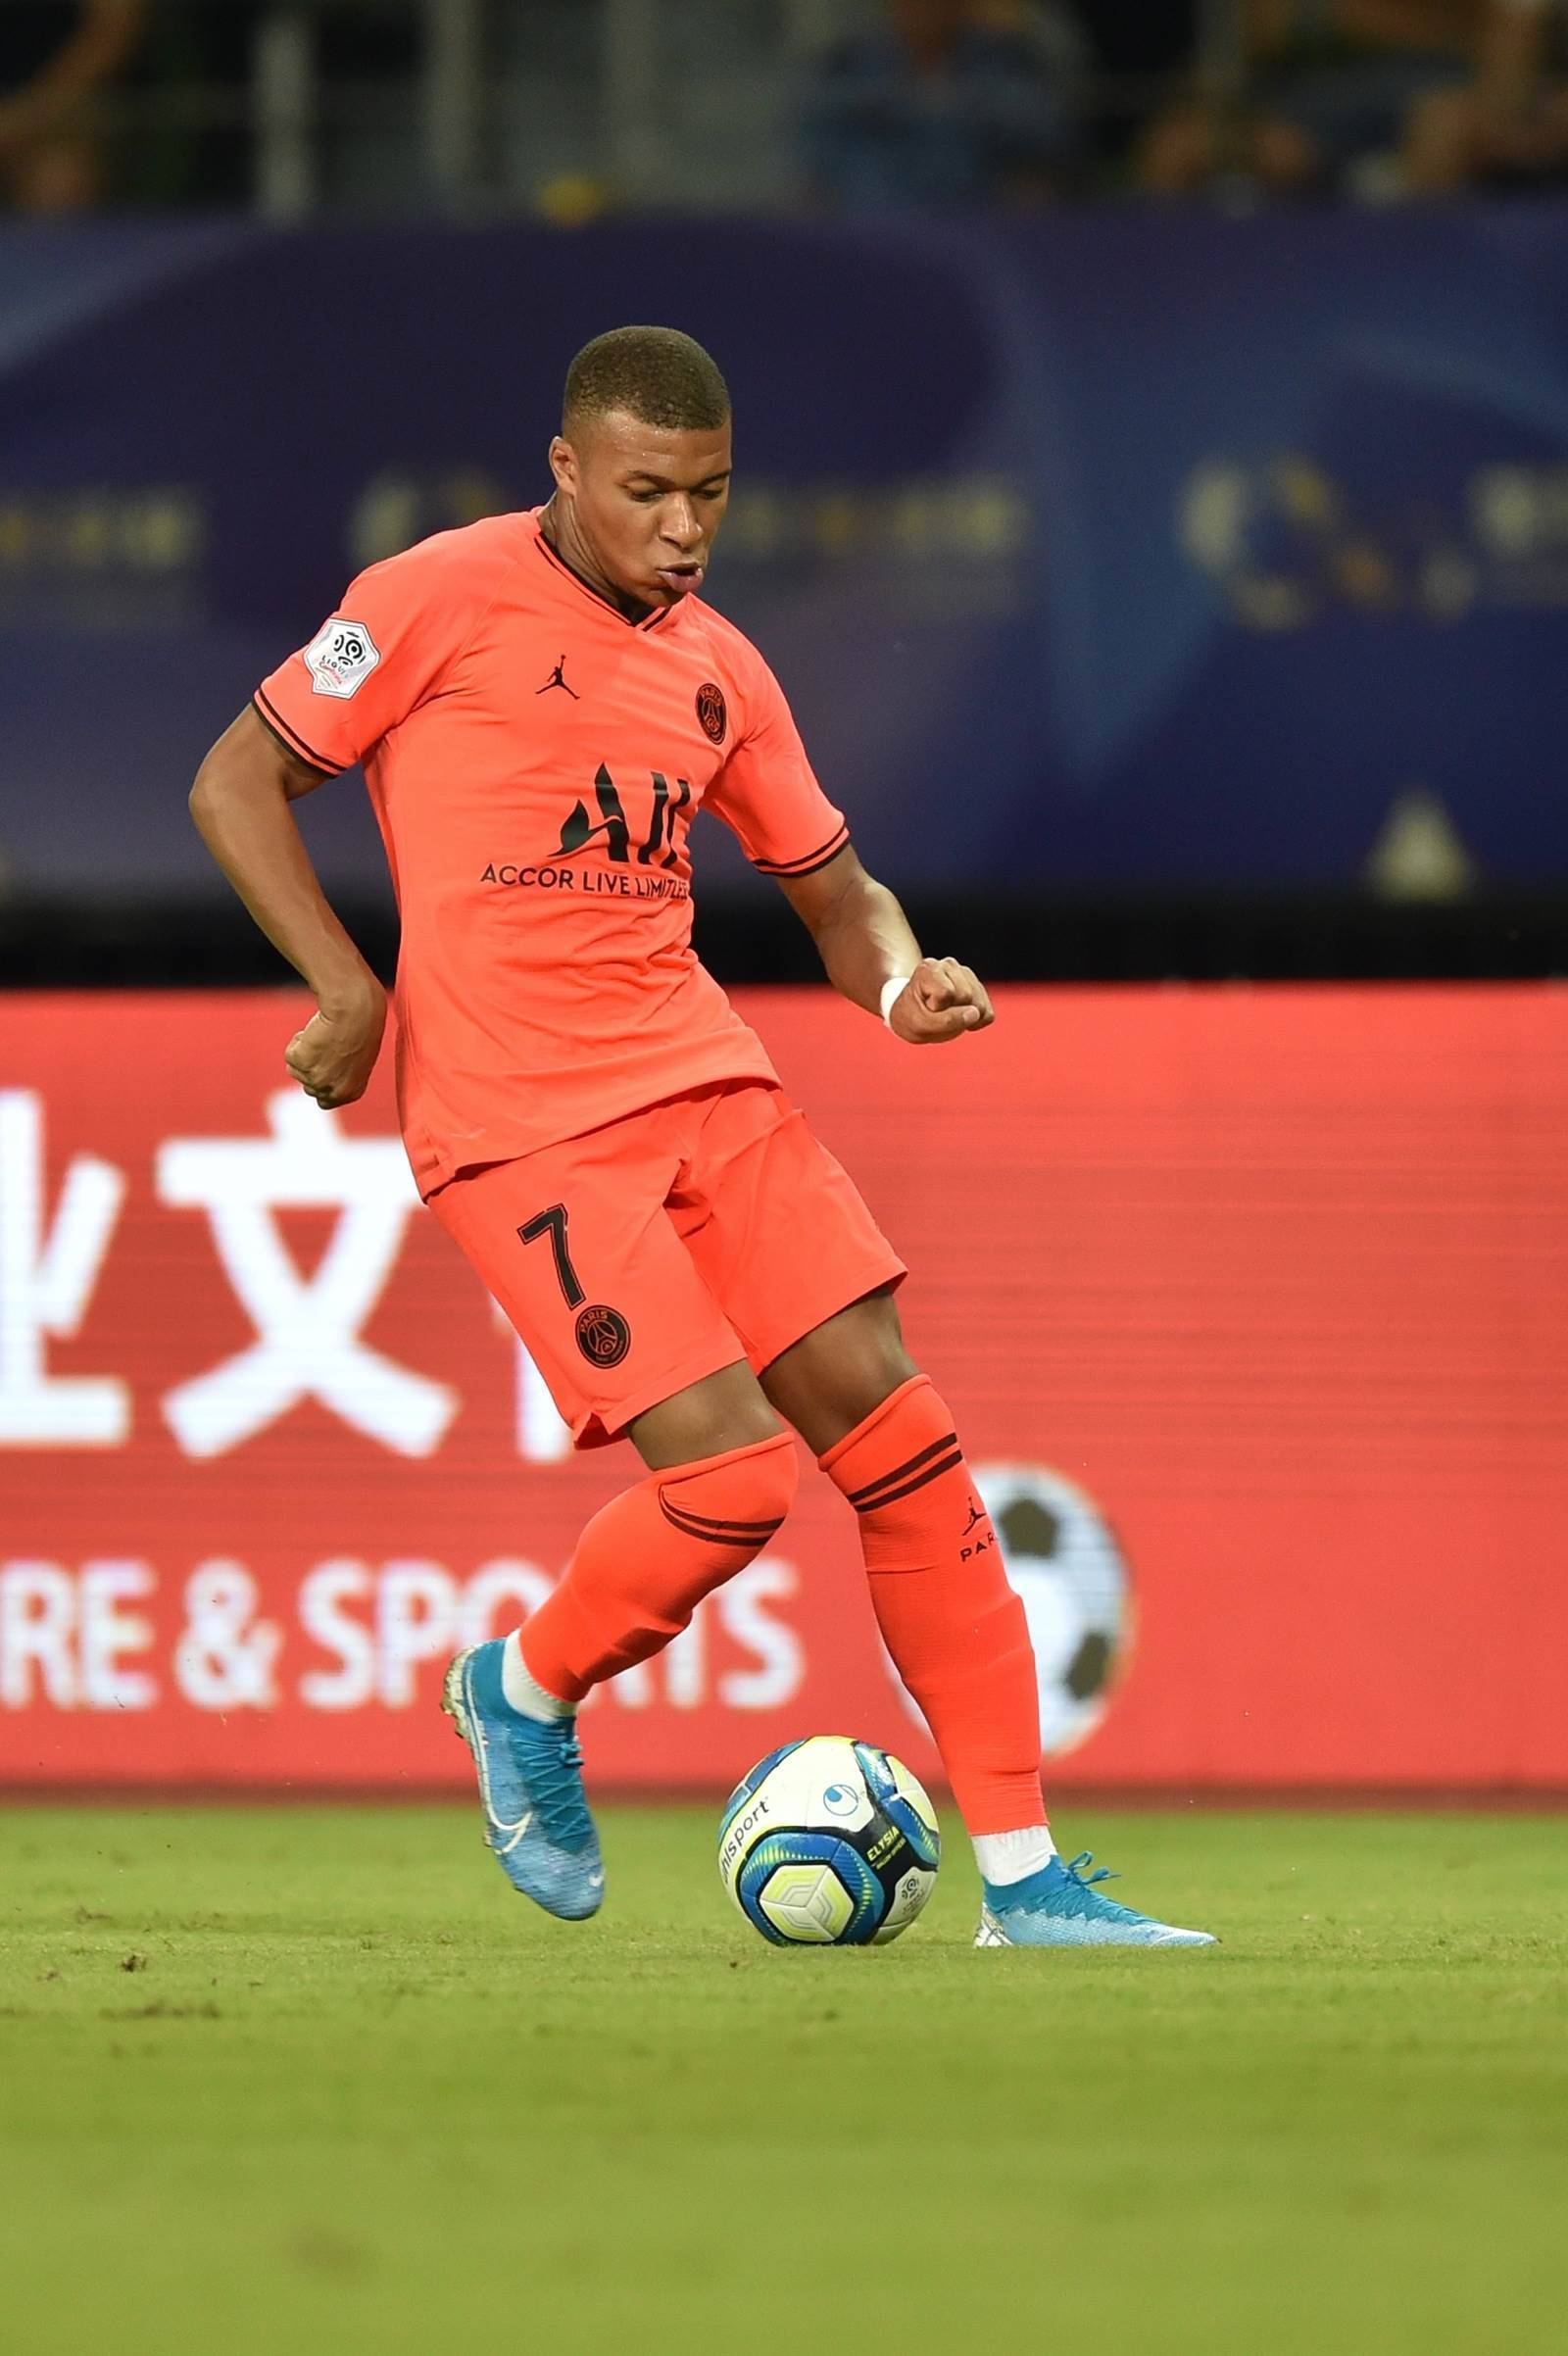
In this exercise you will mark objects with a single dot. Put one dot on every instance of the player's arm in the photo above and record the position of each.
(241, 805)
(787, 828)
(864, 941)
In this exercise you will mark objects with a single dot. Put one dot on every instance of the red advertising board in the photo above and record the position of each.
(1251, 1307)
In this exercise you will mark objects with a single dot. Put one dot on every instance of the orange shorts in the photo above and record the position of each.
(650, 1252)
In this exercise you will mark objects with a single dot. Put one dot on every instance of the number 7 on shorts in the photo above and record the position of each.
(553, 1223)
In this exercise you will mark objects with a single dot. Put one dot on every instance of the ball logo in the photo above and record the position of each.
(736, 1837)
(712, 712)
(603, 1335)
(1063, 1561)
(839, 1801)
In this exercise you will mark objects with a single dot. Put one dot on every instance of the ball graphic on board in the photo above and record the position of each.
(1064, 1564)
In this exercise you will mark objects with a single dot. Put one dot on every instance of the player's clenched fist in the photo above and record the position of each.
(940, 1000)
(334, 1056)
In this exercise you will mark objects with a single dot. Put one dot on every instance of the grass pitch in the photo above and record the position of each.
(307, 2079)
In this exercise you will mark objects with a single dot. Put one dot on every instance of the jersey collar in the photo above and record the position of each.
(651, 621)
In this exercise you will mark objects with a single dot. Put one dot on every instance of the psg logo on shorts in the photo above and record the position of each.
(711, 713)
(603, 1335)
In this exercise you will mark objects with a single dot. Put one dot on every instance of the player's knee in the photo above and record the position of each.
(716, 1417)
(841, 1371)
(741, 1498)
(885, 1367)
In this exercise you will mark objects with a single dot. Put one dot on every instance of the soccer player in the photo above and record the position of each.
(541, 702)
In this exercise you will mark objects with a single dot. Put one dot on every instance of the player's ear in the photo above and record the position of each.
(563, 463)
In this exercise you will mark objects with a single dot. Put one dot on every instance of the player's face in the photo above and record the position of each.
(646, 502)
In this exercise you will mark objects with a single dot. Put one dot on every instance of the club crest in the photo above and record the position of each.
(603, 1335)
(711, 711)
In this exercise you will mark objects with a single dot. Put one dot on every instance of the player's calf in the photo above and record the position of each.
(647, 1559)
(952, 1624)
(642, 1566)
(960, 1639)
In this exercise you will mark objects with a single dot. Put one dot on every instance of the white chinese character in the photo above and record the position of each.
(542, 1438)
(45, 1283)
(307, 1328)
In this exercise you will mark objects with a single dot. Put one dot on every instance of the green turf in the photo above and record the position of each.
(281, 2082)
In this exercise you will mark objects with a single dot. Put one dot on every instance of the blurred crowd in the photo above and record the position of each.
(885, 104)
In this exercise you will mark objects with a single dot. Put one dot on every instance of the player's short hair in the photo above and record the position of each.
(657, 375)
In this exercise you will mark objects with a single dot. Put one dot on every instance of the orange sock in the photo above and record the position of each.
(647, 1559)
(953, 1626)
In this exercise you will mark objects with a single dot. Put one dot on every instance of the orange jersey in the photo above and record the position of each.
(535, 762)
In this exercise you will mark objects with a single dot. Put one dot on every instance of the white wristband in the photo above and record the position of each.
(893, 988)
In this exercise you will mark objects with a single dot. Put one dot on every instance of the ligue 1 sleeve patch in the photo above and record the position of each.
(340, 659)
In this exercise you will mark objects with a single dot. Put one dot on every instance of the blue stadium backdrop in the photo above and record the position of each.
(1107, 549)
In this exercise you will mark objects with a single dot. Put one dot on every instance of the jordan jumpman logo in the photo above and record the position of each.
(557, 679)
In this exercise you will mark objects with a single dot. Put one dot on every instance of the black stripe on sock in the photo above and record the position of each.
(706, 1521)
(912, 1464)
(718, 1533)
(720, 1538)
(920, 1479)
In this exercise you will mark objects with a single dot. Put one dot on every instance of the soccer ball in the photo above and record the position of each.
(829, 1843)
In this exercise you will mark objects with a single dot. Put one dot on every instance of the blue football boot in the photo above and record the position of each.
(530, 1782)
(1061, 1908)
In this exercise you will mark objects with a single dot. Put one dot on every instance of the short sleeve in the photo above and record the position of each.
(766, 791)
(371, 661)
